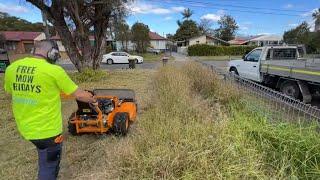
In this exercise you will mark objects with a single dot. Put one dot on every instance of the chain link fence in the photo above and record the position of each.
(274, 105)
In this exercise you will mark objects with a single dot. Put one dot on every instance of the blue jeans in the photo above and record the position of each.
(49, 155)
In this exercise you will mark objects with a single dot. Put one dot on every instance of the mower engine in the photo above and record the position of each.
(113, 112)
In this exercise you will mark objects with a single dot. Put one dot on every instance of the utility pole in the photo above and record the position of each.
(45, 25)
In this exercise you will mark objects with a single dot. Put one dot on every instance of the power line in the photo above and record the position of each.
(203, 4)
(241, 6)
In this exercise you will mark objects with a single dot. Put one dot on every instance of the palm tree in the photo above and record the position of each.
(187, 13)
(316, 17)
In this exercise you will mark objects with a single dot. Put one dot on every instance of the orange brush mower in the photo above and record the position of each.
(115, 111)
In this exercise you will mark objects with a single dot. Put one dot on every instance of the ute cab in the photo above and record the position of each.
(250, 65)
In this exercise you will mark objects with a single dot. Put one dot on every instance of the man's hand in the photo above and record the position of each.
(84, 96)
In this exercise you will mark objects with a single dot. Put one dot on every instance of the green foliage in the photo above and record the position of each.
(109, 49)
(88, 75)
(302, 35)
(298, 35)
(187, 29)
(12, 23)
(140, 36)
(123, 34)
(209, 50)
(187, 13)
(227, 29)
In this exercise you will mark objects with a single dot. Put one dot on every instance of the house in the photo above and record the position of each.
(21, 42)
(62, 49)
(156, 42)
(206, 39)
(264, 40)
(260, 40)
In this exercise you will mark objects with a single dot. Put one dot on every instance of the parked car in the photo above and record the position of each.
(120, 57)
(154, 51)
(281, 68)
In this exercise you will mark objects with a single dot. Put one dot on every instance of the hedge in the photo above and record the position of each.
(210, 50)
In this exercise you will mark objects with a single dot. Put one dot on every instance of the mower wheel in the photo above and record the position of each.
(121, 124)
(72, 127)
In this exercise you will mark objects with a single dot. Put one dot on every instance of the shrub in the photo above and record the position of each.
(209, 50)
(88, 75)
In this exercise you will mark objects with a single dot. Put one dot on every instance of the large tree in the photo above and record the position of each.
(298, 35)
(188, 29)
(140, 36)
(123, 34)
(205, 26)
(75, 19)
(187, 13)
(2, 41)
(227, 28)
(302, 35)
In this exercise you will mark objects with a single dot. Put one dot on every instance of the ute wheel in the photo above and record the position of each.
(109, 61)
(233, 71)
(137, 62)
(290, 88)
(121, 124)
(72, 127)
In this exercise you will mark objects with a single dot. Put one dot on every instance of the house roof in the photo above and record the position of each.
(211, 37)
(243, 40)
(20, 35)
(155, 36)
(267, 38)
(237, 41)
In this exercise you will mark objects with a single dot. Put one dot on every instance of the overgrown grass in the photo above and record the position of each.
(196, 128)
(190, 125)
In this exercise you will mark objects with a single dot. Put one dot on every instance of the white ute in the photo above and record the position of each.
(281, 68)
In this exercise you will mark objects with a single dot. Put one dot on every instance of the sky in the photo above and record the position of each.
(252, 16)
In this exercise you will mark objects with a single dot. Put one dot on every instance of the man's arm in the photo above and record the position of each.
(84, 96)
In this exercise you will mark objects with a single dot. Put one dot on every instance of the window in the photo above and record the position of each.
(122, 54)
(284, 54)
(254, 56)
(115, 54)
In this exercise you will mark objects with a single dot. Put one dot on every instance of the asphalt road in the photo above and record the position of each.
(145, 65)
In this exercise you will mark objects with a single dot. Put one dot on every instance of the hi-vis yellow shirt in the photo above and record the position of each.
(35, 86)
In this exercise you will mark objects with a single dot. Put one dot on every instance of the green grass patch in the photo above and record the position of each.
(88, 75)
(217, 58)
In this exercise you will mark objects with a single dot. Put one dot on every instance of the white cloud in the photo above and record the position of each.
(293, 25)
(213, 16)
(168, 18)
(307, 14)
(288, 6)
(178, 9)
(264, 33)
(138, 7)
(9, 8)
